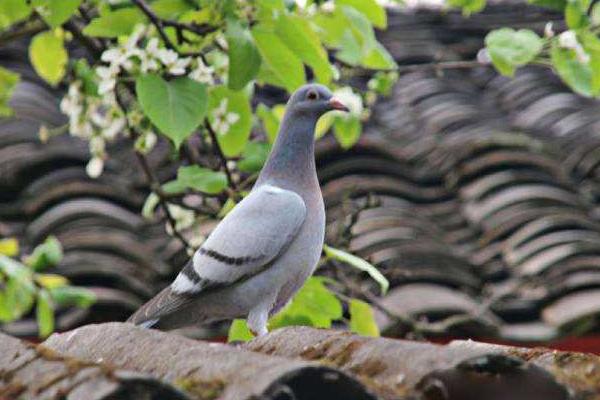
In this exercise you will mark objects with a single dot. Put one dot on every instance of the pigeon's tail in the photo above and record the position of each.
(144, 323)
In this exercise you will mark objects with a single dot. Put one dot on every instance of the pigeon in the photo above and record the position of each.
(266, 247)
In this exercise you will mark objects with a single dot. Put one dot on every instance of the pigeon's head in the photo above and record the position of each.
(315, 100)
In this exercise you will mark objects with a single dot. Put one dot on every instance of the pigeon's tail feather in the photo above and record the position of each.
(161, 312)
(149, 323)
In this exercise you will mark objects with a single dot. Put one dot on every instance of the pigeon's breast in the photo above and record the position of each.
(301, 258)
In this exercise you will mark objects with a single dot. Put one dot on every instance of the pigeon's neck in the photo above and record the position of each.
(292, 159)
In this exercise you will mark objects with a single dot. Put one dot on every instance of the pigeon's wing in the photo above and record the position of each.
(248, 239)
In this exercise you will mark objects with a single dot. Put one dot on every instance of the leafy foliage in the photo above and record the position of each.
(176, 107)
(510, 49)
(359, 264)
(22, 285)
(48, 56)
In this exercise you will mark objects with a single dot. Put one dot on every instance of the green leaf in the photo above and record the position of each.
(50, 281)
(176, 107)
(576, 14)
(56, 12)
(8, 82)
(6, 313)
(577, 75)
(269, 120)
(171, 9)
(197, 178)
(239, 332)
(254, 156)
(14, 269)
(595, 14)
(19, 296)
(351, 32)
(362, 319)
(361, 28)
(285, 67)
(314, 305)
(360, 264)
(87, 76)
(370, 9)
(19, 290)
(347, 130)
(591, 45)
(115, 23)
(44, 313)
(149, 205)
(298, 35)
(379, 58)
(468, 7)
(558, 5)
(267, 11)
(510, 49)
(72, 296)
(48, 56)
(45, 255)
(244, 58)
(12, 11)
(233, 141)
(383, 82)
(9, 247)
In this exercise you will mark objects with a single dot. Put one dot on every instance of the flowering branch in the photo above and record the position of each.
(152, 180)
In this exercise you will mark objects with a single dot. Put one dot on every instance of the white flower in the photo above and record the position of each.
(94, 167)
(138, 32)
(483, 57)
(328, 6)
(174, 64)
(202, 73)
(71, 103)
(97, 145)
(149, 55)
(548, 31)
(152, 47)
(113, 56)
(350, 100)
(146, 141)
(568, 40)
(108, 79)
(44, 133)
(115, 126)
(222, 120)
(184, 218)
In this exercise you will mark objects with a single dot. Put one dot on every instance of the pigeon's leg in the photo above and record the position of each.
(258, 317)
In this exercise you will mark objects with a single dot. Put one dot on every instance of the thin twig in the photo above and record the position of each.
(161, 23)
(91, 44)
(20, 30)
(219, 153)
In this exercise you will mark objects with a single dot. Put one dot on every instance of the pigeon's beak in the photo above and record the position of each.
(336, 104)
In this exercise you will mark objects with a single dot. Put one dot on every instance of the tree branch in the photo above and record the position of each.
(219, 153)
(161, 23)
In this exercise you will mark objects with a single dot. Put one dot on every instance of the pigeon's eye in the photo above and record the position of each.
(312, 95)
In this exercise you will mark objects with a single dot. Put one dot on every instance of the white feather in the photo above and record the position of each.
(183, 284)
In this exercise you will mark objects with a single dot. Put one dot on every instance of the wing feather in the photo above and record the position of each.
(246, 241)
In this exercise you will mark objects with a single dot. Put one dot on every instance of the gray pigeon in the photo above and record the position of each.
(267, 246)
